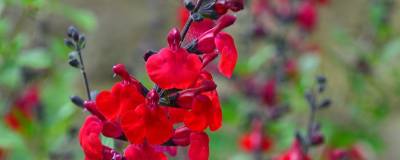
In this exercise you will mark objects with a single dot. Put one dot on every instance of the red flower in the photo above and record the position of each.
(182, 136)
(223, 42)
(125, 94)
(199, 149)
(175, 115)
(22, 108)
(249, 144)
(204, 103)
(122, 95)
(203, 114)
(197, 28)
(294, 153)
(229, 55)
(255, 140)
(143, 152)
(307, 16)
(90, 141)
(173, 67)
(147, 122)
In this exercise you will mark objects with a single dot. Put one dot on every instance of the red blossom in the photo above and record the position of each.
(147, 122)
(143, 152)
(122, 95)
(196, 28)
(229, 55)
(247, 142)
(22, 108)
(90, 141)
(307, 16)
(203, 114)
(173, 67)
(294, 153)
(199, 149)
(256, 140)
(206, 41)
(182, 136)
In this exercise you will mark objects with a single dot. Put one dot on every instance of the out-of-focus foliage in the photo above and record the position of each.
(32, 56)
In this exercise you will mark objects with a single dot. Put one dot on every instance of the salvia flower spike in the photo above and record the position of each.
(184, 93)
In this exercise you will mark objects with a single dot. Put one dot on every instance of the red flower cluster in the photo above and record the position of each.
(256, 140)
(182, 104)
(22, 109)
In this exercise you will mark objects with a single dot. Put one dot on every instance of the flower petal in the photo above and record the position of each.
(229, 55)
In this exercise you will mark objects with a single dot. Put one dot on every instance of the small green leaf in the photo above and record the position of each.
(10, 77)
(35, 58)
(260, 58)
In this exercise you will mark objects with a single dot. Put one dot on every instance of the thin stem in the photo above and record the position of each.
(85, 79)
(311, 120)
(190, 20)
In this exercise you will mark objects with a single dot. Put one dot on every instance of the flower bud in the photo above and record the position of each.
(92, 108)
(74, 63)
(148, 54)
(223, 22)
(174, 39)
(235, 5)
(181, 136)
(317, 139)
(153, 97)
(78, 101)
(69, 43)
(120, 70)
(111, 129)
(72, 32)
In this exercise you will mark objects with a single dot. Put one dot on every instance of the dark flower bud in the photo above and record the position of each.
(72, 32)
(69, 43)
(148, 54)
(321, 79)
(82, 41)
(325, 104)
(317, 139)
(73, 59)
(189, 5)
(78, 101)
(74, 63)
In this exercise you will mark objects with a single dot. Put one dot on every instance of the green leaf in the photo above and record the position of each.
(10, 77)
(391, 50)
(84, 19)
(35, 58)
(260, 57)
